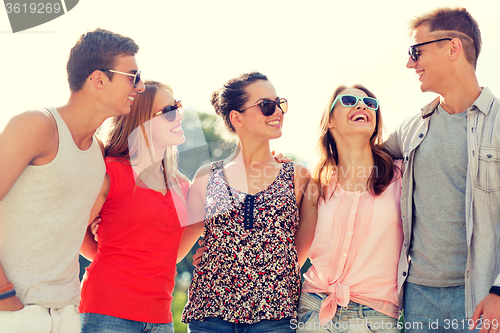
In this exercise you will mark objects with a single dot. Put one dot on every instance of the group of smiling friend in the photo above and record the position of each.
(411, 222)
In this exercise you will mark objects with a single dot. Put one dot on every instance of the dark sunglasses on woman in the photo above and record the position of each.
(170, 111)
(267, 106)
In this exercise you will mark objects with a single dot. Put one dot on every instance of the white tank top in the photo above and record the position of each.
(43, 219)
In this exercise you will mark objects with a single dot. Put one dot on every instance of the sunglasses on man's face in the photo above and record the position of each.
(267, 106)
(415, 53)
(136, 76)
(170, 111)
(350, 101)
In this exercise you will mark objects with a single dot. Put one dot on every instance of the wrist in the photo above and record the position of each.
(6, 288)
(8, 294)
(495, 290)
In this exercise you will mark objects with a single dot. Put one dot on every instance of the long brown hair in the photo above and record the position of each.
(383, 172)
(117, 142)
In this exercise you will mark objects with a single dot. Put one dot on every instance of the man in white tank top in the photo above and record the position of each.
(52, 172)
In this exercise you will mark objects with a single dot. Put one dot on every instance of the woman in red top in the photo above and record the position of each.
(128, 286)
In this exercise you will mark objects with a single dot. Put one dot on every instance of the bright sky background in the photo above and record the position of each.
(305, 48)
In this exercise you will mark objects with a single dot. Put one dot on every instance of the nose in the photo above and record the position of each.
(410, 63)
(179, 116)
(277, 108)
(360, 105)
(140, 87)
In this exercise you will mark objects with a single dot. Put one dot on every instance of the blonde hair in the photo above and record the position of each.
(122, 140)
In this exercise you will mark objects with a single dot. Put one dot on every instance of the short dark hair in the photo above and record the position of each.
(95, 50)
(232, 95)
(455, 23)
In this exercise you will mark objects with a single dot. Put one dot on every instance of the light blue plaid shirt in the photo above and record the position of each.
(482, 193)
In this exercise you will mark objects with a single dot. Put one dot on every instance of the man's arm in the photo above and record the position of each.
(28, 138)
(89, 245)
(489, 308)
(393, 145)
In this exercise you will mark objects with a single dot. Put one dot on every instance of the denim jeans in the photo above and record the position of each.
(99, 323)
(434, 309)
(37, 319)
(211, 325)
(355, 318)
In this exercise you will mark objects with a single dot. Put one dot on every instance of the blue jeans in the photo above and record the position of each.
(211, 325)
(353, 319)
(99, 323)
(434, 309)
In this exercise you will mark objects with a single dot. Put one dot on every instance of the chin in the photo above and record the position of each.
(276, 136)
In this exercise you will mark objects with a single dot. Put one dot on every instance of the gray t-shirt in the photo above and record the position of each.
(439, 244)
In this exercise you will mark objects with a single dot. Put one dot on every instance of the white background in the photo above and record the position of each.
(305, 48)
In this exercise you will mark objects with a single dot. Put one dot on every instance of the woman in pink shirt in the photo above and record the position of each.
(351, 223)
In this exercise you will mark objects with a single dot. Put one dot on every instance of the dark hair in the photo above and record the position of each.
(95, 50)
(383, 172)
(455, 23)
(232, 96)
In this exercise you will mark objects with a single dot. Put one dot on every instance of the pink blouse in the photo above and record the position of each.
(356, 248)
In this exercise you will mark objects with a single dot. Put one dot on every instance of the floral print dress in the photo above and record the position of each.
(249, 271)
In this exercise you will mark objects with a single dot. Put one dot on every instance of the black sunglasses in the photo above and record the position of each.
(136, 76)
(267, 106)
(413, 51)
(169, 111)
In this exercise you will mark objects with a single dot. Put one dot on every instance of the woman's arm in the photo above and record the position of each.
(89, 245)
(196, 211)
(308, 217)
(302, 179)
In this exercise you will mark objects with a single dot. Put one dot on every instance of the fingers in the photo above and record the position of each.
(278, 157)
(197, 256)
(94, 226)
(476, 316)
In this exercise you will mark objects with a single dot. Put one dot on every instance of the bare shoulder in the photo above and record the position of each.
(301, 178)
(33, 132)
(200, 179)
(301, 172)
(41, 122)
(203, 171)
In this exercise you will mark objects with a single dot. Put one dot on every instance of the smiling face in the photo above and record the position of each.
(252, 119)
(432, 65)
(354, 120)
(163, 132)
(120, 91)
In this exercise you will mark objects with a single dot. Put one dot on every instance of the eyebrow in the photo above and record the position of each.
(267, 99)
